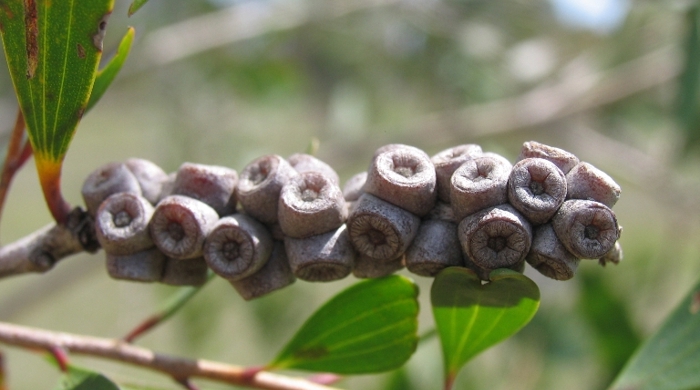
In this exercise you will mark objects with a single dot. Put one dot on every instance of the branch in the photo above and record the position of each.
(176, 367)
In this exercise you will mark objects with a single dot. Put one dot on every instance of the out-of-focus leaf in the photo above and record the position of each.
(53, 49)
(471, 316)
(670, 359)
(369, 327)
(81, 379)
(689, 82)
(106, 75)
(136, 5)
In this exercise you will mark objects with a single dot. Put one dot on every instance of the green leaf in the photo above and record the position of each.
(107, 74)
(369, 327)
(136, 5)
(471, 316)
(81, 379)
(689, 81)
(671, 357)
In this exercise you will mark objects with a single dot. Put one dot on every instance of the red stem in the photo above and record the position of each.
(142, 328)
(17, 155)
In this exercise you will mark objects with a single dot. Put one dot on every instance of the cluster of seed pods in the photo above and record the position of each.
(284, 219)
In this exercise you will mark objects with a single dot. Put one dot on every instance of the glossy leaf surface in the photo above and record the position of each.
(670, 359)
(471, 316)
(369, 327)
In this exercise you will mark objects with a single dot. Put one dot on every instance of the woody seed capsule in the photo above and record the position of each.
(405, 177)
(260, 185)
(321, 258)
(310, 204)
(588, 182)
(237, 247)
(435, 247)
(536, 188)
(107, 180)
(586, 228)
(150, 177)
(355, 187)
(302, 162)
(274, 275)
(143, 266)
(367, 267)
(211, 184)
(497, 237)
(478, 184)
(179, 226)
(447, 161)
(380, 230)
(549, 256)
(561, 158)
(121, 224)
(191, 272)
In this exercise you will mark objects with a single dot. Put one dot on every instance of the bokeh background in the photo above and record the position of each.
(224, 81)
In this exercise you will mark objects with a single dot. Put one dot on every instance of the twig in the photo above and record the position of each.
(176, 367)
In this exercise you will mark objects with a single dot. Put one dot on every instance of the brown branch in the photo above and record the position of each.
(176, 367)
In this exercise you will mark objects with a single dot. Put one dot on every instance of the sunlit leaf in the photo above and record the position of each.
(53, 49)
(136, 5)
(81, 379)
(369, 327)
(107, 74)
(471, 316)
(670, 359)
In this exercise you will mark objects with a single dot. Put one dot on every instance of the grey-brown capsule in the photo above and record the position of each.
(367, 267)
(143, 266)
(179, 226)
(302, 162)
(121, 224)
(380, 230)
(274, 275)
(478, 184)
(405, 177)
(355, 187)
(447, 161)
(586, 228)
(237, 247)
(321, 258)
(211, 184)
(561, 158)
(150, 177)
(536, 188)
(549, 256)
(310, 204)
(106, 180)
(588, 182)
(260, 184)
(497, 237)
(192, 272)
(435, 247)
(443, 212)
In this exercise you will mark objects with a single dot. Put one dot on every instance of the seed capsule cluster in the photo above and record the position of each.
(283, 219)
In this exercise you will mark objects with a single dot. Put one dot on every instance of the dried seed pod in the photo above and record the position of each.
(211, 184)
(321, 258)
(588, 182)
(447, 161)
(302, 162)
(166, 188)
(274, 275)
(191, 272)
(549, 256)
(380, 230)
(179, 226)
(478, 184)
(367, 267)
(536, 188)
(260, 184)
(150, 177)
(405, 177)
(237, 247)
(143, 266)
(614, 255)
(435, 247)
(355, 187)
(107, 180)
(587, 229)
(497, 237)
(121, 224)
(310, 204)
(561, 158)
(443, 212)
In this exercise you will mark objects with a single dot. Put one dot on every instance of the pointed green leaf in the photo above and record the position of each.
(471, 316)
(136, 5)
(671, 357)
(369, 327)
(81, 379)
(107, 74)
